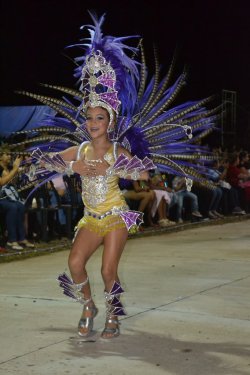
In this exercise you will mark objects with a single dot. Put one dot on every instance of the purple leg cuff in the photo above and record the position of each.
(113, 303)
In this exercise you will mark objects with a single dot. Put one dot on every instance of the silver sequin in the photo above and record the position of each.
(94, 190)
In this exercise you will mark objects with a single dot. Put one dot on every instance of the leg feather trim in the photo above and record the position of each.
(113, 303)
(71, 289)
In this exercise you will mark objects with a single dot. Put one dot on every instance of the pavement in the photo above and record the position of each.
(187, 299)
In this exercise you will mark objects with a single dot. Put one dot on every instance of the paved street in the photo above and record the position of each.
(187, 298)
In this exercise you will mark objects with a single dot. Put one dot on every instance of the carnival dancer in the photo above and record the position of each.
(102, 222)
(114, 126)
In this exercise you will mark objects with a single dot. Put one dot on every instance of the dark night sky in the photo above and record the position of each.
(212, 38)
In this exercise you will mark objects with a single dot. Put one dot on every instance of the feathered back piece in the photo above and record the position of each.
(110, 74)
(107, 74)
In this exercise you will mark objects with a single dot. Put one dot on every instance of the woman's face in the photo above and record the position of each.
(5, 158)
(97, 121)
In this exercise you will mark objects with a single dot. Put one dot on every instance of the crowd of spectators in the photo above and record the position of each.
(12, 208)
(164, 199)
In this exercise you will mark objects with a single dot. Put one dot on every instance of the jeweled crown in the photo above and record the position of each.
(98, 81)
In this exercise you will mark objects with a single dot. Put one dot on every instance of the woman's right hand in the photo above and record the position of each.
(17, 162)
(84, 169)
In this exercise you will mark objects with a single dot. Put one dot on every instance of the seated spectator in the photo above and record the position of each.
(216, 193)
(162, 200)
(181, 193)
(11, 205)
(244, 168)
(73, 196)
(141, 192)
(230, 199)
(236, 178)
(61, 197)
(244, 164)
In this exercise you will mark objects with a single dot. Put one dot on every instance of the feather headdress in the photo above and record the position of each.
(111, 75)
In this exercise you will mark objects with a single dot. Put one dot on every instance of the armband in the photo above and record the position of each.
(51, 163)
(125, 167)
(69, 169)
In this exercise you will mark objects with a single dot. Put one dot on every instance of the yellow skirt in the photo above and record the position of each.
(101, 226)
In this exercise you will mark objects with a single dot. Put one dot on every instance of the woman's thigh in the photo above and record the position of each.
(8, 206)
(114, 243)
(85, 244)
(136, 196)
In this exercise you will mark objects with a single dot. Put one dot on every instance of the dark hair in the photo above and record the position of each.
(232, 158)
(242, 155)
(114, 114)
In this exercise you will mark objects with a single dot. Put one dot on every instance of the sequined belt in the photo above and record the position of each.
(114, 211)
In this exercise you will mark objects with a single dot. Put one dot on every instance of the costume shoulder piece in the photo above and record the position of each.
(112, 74)
(82, 149)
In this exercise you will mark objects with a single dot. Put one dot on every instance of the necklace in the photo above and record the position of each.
(93, 161)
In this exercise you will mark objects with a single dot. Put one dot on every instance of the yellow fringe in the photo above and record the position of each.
(101, 226)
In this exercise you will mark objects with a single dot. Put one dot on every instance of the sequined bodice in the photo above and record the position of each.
(94, 190)
(101, 193)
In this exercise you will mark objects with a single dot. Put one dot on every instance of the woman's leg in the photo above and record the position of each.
(211, 205)
(193, 200)
(179, 204)
(143, 196)
(85, 244)
(217, 199)
(146, 199)
(10, 209)
(114, 243)
(149, 206)
(162, 209)
(20, 221)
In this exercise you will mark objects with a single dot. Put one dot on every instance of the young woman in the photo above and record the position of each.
(101, 195)
(114, 101)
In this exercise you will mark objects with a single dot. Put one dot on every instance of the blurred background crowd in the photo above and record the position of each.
(53, 209)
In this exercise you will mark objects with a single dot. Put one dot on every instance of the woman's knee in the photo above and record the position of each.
(76, 264)
(12, 209)
(152, 194)
(109, 273)
(21, 208)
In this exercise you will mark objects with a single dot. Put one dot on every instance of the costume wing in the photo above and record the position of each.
(149, 123)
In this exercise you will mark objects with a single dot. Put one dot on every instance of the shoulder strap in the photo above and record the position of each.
(115, 149)
(82, 145)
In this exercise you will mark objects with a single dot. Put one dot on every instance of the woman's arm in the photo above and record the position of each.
(140, 187)
(7, 176)
(136, 186)
(77, 166)
(223, 174)
(70, 154)
(180, 184)
(144, 175)
(244, 174)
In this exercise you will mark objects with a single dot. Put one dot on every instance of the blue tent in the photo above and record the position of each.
(18, 118)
